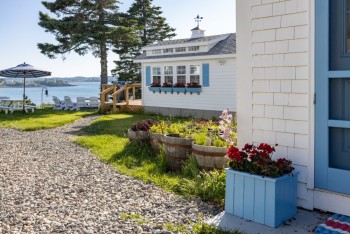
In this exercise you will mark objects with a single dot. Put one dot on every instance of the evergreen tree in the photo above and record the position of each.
(82, 26)
(151, 27)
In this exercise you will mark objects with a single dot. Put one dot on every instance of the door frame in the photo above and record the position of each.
(322, 121)
(321, 72)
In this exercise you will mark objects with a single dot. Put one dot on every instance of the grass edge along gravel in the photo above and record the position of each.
(41, 119)
(106, 138)
(199, 227)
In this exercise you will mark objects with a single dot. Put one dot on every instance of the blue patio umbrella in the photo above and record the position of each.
(24, 71)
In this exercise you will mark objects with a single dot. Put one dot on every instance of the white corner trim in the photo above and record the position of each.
(311, 153)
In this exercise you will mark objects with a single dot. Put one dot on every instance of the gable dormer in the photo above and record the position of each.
(193, 45)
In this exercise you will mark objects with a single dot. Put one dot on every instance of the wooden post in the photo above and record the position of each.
(133, 93)
(127, 95)
(114, 99)
(102, 100)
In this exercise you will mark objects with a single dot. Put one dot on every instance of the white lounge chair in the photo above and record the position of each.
(59, 105)
(69, 105)
(5, 107)
(81, 103)
(29, 107)
(94, 103)
(11, 105)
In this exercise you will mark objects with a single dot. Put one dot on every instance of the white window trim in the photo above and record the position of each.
(175, 74)
(157, 74)
(186, 73)
(199, 73)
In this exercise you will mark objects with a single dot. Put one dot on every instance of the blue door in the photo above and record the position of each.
(332, 82)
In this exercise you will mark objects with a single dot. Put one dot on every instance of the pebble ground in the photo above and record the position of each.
(48, 184)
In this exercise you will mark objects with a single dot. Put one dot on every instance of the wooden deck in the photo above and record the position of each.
(129, 105)
(137, 102)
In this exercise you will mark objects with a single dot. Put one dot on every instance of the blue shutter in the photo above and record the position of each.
(148, 75)
(205, 74)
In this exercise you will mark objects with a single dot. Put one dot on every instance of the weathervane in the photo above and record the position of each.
(198, 19)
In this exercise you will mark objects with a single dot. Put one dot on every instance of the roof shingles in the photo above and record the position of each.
(226, 46)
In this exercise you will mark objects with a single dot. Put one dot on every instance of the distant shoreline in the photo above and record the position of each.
(35, 86)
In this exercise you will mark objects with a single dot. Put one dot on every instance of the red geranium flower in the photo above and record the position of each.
(258, 160)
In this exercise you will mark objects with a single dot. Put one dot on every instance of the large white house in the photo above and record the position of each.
(293, 88)
(209, 61)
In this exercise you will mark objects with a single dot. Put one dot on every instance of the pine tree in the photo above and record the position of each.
(84, 26)
(151, 27)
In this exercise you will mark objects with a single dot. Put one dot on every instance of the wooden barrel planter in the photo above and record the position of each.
(210, 157)
(156, 140)
(177, 150)
(138, 135)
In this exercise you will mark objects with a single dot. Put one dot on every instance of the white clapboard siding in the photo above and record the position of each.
(220, 94)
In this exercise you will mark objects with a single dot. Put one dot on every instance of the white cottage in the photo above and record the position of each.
(293, 88)
(209, 61)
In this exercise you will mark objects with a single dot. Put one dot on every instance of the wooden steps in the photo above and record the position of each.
(108, 90)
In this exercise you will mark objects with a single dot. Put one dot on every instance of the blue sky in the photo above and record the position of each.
(20, 32)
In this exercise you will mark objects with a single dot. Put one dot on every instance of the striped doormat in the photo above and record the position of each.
(337, 224)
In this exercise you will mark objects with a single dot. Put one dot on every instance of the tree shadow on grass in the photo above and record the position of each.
(110, 125)
(140, 154)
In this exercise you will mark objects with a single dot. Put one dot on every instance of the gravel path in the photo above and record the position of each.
(50, 185)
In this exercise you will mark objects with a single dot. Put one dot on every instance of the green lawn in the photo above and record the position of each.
(106, 137)
(40, 119)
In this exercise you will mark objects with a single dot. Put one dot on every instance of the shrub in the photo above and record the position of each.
(184, 129)
(155, 84)
(190, 168)
(193, 85)
(200, 138)
(159, 128)
(165, 84)
(203, 228)
(179, 84)
(143, 125)
(208, 133)
(210, 186)
(162, 163)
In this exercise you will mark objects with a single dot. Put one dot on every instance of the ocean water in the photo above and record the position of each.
(80, 89)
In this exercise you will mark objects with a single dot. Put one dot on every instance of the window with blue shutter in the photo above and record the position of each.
(205, 71)
(148, 75)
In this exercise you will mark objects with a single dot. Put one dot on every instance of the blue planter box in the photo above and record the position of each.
(179, 89)
(265, 200)
(154, 89)
(194, 90)
(166, 89)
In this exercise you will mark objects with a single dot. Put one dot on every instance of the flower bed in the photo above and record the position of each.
(155, 87)
(259, 188)
(265, 200)
(179, 90)
(140, 130)
(166, 89)
(194, 90)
